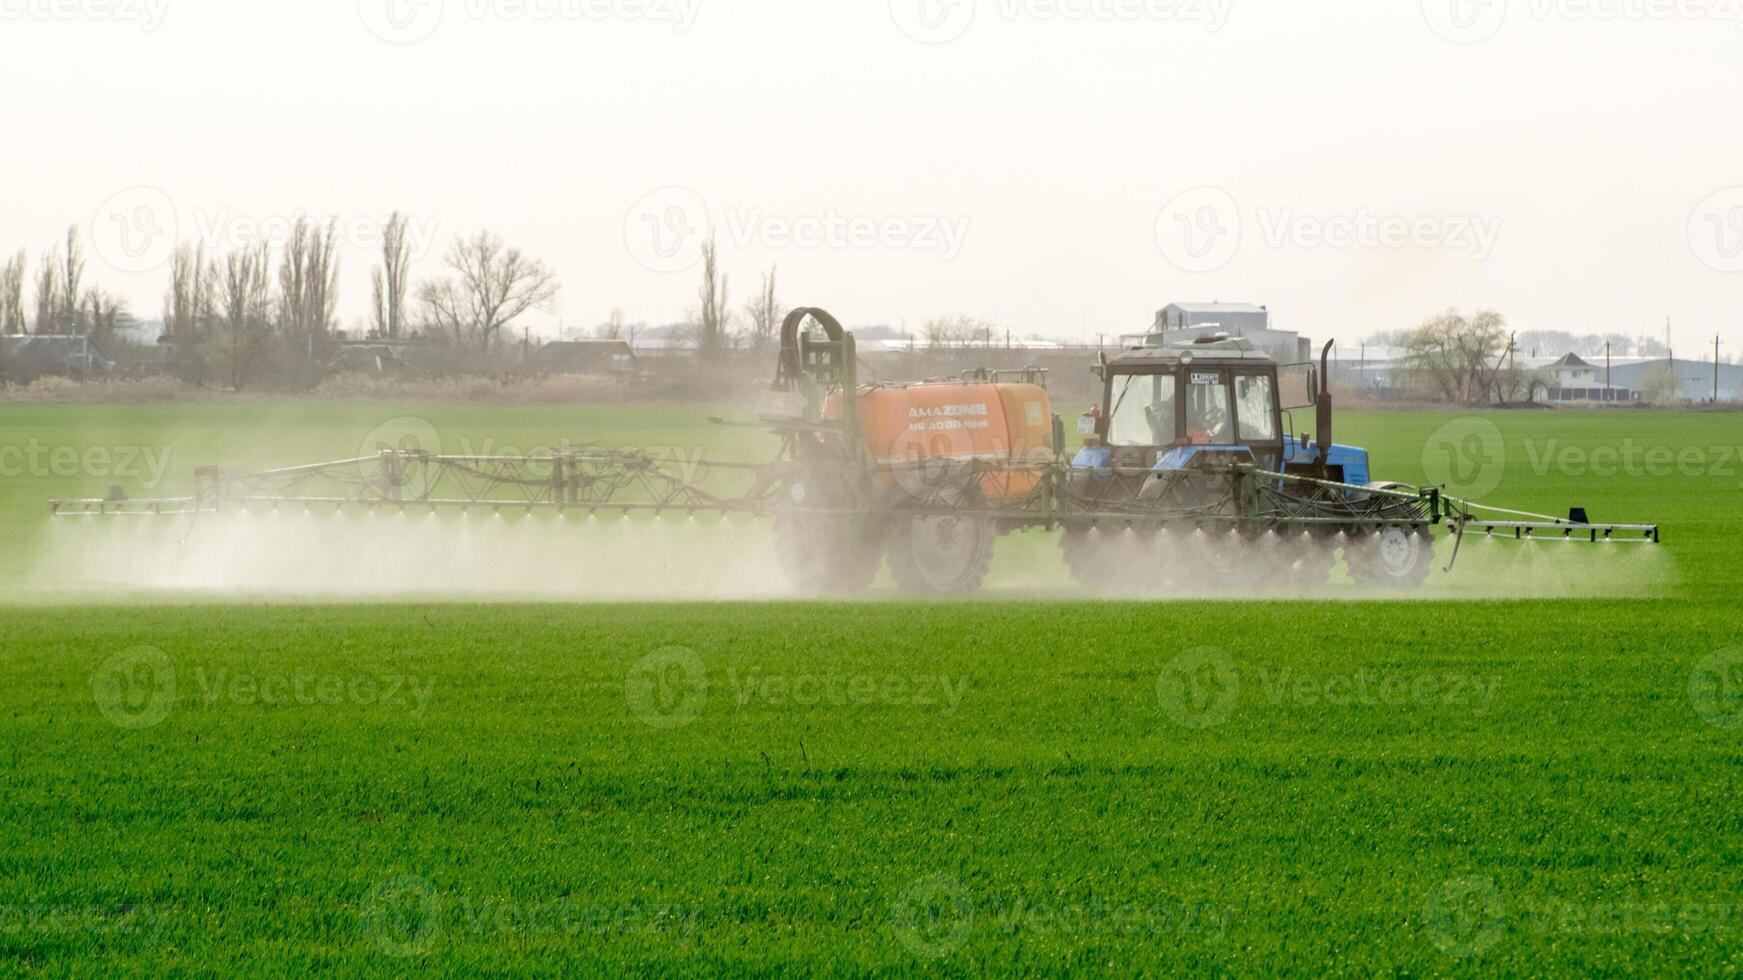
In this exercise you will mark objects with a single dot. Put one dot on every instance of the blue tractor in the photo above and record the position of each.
(1196, 443)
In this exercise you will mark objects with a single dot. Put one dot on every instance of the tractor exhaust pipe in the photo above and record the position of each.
(1322, 410)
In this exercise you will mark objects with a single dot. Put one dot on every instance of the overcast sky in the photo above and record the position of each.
(1063, 167)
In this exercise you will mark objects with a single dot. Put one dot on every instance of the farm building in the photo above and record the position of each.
(596, 357)
(1243, 320)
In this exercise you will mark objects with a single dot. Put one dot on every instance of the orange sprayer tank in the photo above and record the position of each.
(917, 432)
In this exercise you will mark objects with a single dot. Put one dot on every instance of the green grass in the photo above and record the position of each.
(1028, 785)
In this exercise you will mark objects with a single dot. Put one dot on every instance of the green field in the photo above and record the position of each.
(1032, 783)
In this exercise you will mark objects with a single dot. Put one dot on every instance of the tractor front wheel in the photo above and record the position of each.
(1392, 555)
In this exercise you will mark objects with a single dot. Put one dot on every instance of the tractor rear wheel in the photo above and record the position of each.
(1394, 555)
(940, 553)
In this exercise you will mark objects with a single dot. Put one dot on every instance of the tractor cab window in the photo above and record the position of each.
(1208, 419)
(1255, 406)
(1142, 410)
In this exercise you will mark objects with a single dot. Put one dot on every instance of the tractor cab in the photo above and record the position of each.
(1207, 400)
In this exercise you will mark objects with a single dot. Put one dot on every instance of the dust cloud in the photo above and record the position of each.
(324, 553)
(331, 554)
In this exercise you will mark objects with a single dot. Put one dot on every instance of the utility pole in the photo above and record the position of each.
(1609, 392)
(1715, 370)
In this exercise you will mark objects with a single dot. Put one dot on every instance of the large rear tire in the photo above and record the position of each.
(940, 553)
(1391, 556)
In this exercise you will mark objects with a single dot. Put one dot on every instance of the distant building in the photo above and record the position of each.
(1244, 320)
(597, 357)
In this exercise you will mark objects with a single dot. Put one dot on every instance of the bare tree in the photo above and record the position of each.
(714, 319)
(244, 302)
(443, 312)
(308, 281)
(71, 292)
(12, 295)
(765, 313)
(495, 285)
(104, 312)
(389, 281)
(1660, 386)
(613, 327)
(188, 303)
(958, 330)
(48, 292)
(1457, 358)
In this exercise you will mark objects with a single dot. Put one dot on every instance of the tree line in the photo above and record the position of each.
(256, 314)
